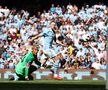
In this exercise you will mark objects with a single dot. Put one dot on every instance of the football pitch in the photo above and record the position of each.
(53, 85)
(90, 82)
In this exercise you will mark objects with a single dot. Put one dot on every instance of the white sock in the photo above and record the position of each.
(55, 75)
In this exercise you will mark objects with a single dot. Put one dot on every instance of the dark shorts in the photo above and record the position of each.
(31, 69)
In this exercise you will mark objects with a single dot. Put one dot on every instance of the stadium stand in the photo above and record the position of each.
(83, 31)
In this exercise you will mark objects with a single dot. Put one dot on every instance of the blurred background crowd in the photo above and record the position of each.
(83, 31)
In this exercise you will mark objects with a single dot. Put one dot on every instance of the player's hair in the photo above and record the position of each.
(52, 22)
(35, 46)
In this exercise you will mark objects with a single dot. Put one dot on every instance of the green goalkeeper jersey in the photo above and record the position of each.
(22, 67)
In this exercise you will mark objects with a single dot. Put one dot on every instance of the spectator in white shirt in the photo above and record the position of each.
(96, 65)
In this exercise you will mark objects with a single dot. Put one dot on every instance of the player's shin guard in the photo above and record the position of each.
(56, 67)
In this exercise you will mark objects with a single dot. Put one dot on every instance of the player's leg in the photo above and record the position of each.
(31, 70)
(20, 77)
(56, 68)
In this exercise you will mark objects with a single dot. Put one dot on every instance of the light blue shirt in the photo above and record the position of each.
(48, 38)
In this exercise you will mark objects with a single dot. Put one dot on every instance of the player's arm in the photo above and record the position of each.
(37, 36)
(61, 44)
(26, 64)
(26, 72)
(60, 41)
(37, 62)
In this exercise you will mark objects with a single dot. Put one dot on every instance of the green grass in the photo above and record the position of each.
(81, 82)
(53, 85)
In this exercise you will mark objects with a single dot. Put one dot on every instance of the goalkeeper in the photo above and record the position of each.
(25, 68)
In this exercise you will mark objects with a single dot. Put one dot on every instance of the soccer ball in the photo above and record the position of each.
(76, 78)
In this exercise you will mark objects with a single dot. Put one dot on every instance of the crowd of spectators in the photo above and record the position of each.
(83, 31)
